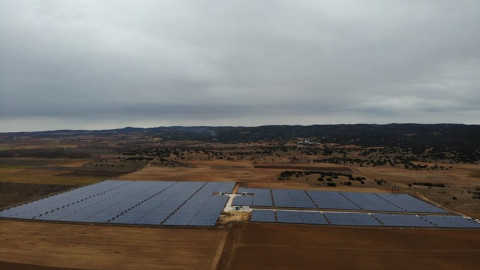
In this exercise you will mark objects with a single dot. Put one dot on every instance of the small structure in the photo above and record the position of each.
(306, 142)
(241, 208)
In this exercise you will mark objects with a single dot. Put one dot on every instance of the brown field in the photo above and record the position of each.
(107, 247)
(274, 246)
(236, 171)
(43, 171)
(219, 170)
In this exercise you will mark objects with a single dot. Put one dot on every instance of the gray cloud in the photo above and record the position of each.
(104, 64)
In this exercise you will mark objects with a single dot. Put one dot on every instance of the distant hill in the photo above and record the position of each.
(360, 134)
(441, 138)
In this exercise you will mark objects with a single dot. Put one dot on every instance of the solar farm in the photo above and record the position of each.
(177, 203)
(333, 200)
(132, 202)
(346, 209)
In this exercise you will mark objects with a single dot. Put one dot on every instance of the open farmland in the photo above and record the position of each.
(107, 247)
(268, 246)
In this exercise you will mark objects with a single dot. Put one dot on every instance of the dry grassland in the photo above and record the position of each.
(43, 171)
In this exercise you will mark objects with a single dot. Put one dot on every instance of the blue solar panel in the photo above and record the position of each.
(292, 198)
(262, 197)
(410, 204)
(313, 218)
(245, 190)
(202, 209)
(288, 217)
(331, 200)
(370, 201)
(263, 216)
(451, 221)
(43, 206)
(226, 187)
(351, 219)
(242, 201)
(402, 220)
(301, 217)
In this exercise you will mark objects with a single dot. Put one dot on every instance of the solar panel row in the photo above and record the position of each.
(156, 210)
(370, 201)
(399, 220)
(288, 198)
(331, 200)
(56, 202)
(291, 198)
(410, 204)
(451, 222)
(245, 190)
(301, 217)
(262, 197)
(362, 219)
(202, 209)
(243, 200)
(132, 202)
(263, 216)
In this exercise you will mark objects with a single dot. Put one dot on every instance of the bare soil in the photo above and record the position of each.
(108, 247)
(275, 246)
(23, 266)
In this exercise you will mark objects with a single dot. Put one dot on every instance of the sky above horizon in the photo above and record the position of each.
(84, 64)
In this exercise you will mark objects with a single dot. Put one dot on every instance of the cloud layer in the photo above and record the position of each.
(105, 64)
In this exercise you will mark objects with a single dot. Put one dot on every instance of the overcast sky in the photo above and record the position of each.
(106, 64)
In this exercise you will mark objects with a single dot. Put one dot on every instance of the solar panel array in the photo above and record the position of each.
(132, 202)
(260, 197)
(402, 220)
(175, 203)
(451, 222)
(301, 217)
(290, 198)
(410, 204)
(352, 219)
(202, 209)
(263, 216)
(370, 201)
(389, 210)
(361, 219)
(331, 200)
